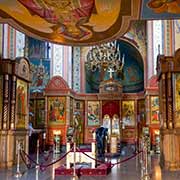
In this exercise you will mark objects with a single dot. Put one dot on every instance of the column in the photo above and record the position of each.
(169, 98)
(6, 102)
(163, 89)
(13, 102)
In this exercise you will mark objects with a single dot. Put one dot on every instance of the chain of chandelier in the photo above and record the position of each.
(104, 57)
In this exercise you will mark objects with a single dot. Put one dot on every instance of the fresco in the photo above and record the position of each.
(40, 112)
(32, 108)
(56, 110)
(154, 110)
(128, 114)
(21, 103)
(40, 74)
(158, 9)
(71, 21)
(93, 113)
(177, 33)
(36, 48)
(40, 65)
(132, 77)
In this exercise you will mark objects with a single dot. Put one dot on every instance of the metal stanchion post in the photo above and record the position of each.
(37, 174)
(142, 158)
(37, 156)
(75, 177)
(18, 173)
(146, 175)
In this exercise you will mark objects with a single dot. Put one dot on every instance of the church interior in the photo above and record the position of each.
(90, 88)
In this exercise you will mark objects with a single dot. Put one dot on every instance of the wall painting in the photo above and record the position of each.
(141, 111)
(93, 113)
(40, 112)
(40, 74)
(159, 9)
(154, 110)
(56, 110)
(128, 114)
(32, 108)
(21, 104)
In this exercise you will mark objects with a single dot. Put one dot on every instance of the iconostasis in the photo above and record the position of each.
(92, 110)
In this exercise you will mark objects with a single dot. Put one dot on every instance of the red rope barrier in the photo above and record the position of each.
(46, 157)
(124, 160)
(42, 166)
(29, 157)
(47, 165)
(97, 160)
(27, 165)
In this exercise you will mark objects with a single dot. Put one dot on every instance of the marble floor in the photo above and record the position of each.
(130, 170)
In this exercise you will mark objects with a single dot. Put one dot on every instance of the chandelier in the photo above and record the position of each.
(105, 57)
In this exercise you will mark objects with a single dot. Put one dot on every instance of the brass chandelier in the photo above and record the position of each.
(105, 57)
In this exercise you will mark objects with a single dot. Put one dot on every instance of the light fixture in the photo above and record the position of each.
(105, 57)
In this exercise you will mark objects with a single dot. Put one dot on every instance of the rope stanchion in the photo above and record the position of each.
(18, 173)
(129, 158)
(47, 156)
(145, 175)
(47, 165)
(37, 156)
(44, 166)
(75, 177)
(28, 165)
(112, 165)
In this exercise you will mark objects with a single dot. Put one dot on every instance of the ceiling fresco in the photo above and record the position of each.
(160, 9)
(82, 22)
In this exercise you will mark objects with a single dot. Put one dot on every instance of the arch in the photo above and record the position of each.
(133, 71)
(57, 83)
(110, 108)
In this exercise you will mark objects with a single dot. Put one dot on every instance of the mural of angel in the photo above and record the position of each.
(64, 21)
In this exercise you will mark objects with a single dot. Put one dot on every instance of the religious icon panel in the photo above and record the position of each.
(107, 123)
(21, 103)
(115, 125)
(128, 114)
(154, 110)
(56, 110)
(93, 113)
(40, 110)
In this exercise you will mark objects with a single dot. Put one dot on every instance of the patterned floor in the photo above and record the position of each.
(130, 170)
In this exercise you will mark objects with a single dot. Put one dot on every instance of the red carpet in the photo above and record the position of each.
(81, 170)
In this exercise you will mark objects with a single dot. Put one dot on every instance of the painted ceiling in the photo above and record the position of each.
(82, 22)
